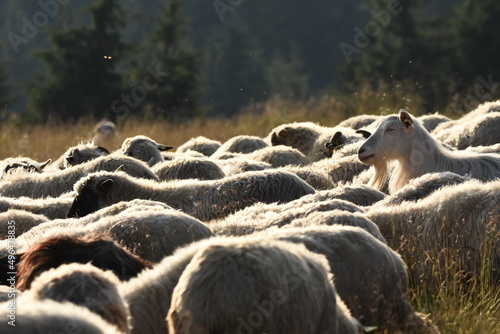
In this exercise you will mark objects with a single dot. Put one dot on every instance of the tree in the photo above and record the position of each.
(175, 91)
(81, 75)
(5, 94)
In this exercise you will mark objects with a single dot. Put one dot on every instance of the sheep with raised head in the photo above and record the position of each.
(42, 317)
(83, 285)
(52, 208)
(356, 256)
(188, 168)
(144, 149)
(79, 154)
(240, 144)
(57, 183)
(403, 141)
(451, 225)
(258, 285)
(200, 144)
(204, 200)
(21, 165)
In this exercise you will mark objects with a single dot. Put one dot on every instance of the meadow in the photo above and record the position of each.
(454, 303)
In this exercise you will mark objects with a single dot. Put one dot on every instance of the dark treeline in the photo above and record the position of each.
(180, 59)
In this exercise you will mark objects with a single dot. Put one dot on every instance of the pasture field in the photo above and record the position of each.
(456, 304)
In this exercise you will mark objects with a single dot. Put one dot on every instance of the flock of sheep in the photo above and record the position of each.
(309, 230)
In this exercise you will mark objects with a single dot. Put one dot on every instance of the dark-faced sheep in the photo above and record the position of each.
(402, 140)
(204, 200)
(79, 154)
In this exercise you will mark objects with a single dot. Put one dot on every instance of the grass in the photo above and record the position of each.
(466, 311)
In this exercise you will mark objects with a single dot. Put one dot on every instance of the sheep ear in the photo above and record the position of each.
(120, 168)
(164, 147)
(44, 164)
(103, 150)
(105, 185)
(364, 133)
(404, 116)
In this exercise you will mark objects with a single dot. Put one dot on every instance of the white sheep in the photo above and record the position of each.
(266, 286)
(240, 144)
(83, 285)
(431, 121)
(403, 141)
(479, 131)
(359, 122)
(340, 171)
(423, 186)
(79, 154)
(42, 317)
(201, 144)
(316, 178)
(356, 256)
(49, 207)
(16, 222)
(452, 225)
(57, 183)
(279, 156)
(204, 200)
(484, 149)
(145, 149)
(188, 168)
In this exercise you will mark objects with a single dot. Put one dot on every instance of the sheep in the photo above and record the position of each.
(53, 252)
(480, 131)
(403, 140)
(21, 165)
(57, 183)
(431, 121)
(310, 138)
(42, 317)
(279, 156)
(359, 122)
(356, 256)
(83, 285)
(72, 226)
(201, 144)
(422, 186)
(145, 149)
(188, 168)
(261, 216)
(79, 154)
(337, 218)
(52, 208)
(15, 222)
(451, 225)
(485, 149)
(240, 144)
(342, 170)
(239, 164)
(257, 285)
(103, 131)
(317, 179)
(482, 109)
(204, 200)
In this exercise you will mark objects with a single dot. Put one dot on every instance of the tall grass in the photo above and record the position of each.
(452, 308)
